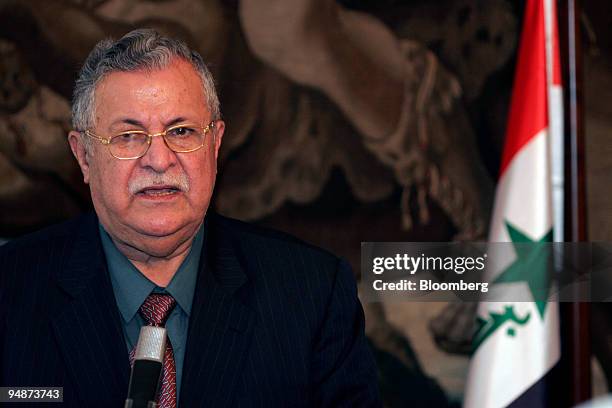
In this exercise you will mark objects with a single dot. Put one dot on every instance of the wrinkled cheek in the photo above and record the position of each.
(202, 197)
(109, 195)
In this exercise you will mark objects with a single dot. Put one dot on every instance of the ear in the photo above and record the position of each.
(218, 136)
(78, 150)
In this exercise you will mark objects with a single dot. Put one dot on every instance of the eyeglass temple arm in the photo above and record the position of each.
(94, 136)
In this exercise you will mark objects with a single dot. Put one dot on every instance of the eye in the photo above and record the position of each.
(181, 132)
(128, 137)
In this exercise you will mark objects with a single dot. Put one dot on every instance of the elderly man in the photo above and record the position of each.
(254, 317)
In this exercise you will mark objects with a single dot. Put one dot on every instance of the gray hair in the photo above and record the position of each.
(137, 50)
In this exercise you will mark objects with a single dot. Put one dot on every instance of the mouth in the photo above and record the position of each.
(158, 191)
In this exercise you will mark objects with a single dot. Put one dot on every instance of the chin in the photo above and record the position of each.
(162, 220)
(162, 226)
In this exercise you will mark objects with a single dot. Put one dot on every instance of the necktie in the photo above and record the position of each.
(155, 311)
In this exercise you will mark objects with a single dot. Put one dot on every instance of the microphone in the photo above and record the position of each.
(147, 368)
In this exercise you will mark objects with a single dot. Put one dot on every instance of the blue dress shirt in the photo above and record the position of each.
(131, 288)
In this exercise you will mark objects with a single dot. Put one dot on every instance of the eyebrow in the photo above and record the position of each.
(135, 122)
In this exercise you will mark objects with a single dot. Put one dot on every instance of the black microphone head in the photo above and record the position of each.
(147, 368)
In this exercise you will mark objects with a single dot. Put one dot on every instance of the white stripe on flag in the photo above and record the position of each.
(505, 366)
(521, 196)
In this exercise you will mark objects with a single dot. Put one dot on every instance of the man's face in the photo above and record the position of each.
(157, 202)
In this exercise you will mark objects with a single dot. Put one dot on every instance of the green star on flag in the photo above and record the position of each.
(532, 265)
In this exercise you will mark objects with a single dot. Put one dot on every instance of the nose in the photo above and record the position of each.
(159, 157)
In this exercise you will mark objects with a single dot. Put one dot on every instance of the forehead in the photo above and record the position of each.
(151, 96)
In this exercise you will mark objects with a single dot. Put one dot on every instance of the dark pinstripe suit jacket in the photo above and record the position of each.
(274, 323)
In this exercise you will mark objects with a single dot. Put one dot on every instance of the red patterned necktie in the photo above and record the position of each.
(155, 311)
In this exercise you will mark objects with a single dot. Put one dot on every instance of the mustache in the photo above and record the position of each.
(178, 181)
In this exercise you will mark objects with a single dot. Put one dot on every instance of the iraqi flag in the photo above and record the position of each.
(517, 344)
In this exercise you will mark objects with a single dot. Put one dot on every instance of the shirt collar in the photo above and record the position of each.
(131, 287)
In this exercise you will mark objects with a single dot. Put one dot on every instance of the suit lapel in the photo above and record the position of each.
(220, 325)
(88, 328)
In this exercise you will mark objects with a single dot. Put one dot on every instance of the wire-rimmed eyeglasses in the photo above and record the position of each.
(133, 144)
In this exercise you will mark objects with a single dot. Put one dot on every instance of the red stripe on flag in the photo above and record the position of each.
(556, 68)
(528, 110)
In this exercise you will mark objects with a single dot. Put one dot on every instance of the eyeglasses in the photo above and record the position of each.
(133, 144)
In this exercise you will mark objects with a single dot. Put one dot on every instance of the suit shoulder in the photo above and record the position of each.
(272, 239)
(51, 235)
